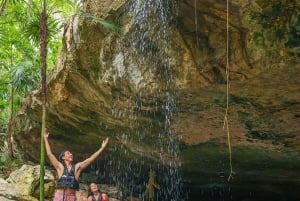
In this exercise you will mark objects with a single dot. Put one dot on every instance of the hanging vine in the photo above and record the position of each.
(226, 124)
(196, 25)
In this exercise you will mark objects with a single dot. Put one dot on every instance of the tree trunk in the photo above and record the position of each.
(43, 45)
(10, 131)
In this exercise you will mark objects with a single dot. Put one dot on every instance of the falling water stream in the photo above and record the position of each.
(155, 140)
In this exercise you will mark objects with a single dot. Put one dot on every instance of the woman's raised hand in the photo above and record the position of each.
(104, 142)
(46, 134)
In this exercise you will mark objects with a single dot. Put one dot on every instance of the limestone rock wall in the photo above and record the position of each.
(164, 73)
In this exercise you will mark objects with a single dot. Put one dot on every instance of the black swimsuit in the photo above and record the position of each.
(99, 197)
(68, 179)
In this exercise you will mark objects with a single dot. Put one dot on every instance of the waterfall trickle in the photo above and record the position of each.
(155, 172)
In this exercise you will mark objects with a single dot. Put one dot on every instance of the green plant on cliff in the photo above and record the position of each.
(279, 20)
(294, 35)
(7, 165)
(110, 25)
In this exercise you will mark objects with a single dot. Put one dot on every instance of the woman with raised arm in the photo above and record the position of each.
(68, 172)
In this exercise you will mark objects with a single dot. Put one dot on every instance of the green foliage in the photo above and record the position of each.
(279, 20)
(25, 76)
(7, 164)
(105, 23)
(4, 160)
(31, 29)
(4, 96)
(294, 35)
(3, 36)
(20, 57)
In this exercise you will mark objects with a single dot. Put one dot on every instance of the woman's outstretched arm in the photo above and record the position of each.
(82, 165)
(57, 165)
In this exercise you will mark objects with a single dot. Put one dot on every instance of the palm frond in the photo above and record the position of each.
(5, 3)
(16, 1)
(105, 23)
(25, 76)
(31, 30)
(3, 36)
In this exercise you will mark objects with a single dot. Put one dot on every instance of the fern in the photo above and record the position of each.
(105, 23)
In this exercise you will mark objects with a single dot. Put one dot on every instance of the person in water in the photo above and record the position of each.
(67, 171)
(94, 194)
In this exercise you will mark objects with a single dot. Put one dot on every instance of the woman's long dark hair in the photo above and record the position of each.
(61, 155)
